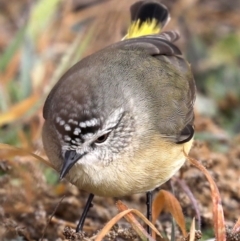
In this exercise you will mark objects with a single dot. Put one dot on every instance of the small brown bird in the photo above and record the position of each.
(118, 122)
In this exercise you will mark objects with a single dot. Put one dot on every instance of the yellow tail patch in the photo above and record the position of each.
(146, 28)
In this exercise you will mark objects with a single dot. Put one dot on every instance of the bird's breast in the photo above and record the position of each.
(147, 169)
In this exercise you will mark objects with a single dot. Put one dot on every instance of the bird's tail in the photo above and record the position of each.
(147, 17)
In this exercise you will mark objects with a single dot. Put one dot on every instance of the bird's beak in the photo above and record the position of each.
(70, 158)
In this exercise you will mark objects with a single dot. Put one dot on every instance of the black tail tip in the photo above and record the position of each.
(145, 10)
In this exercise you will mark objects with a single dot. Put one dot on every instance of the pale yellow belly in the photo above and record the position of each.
(150, 167)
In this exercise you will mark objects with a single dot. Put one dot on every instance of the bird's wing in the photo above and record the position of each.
(161, 46)
(157, 44)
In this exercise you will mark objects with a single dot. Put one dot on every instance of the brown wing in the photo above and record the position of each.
(161, 47)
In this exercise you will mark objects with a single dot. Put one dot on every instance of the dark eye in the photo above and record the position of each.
(102, 138)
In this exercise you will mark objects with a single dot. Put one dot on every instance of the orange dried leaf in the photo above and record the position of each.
(60, 189)
(165, 200)
(111, 223)
(18, 110)
(8, 151)
(135, 224)
(120, 215)
(131, 219)
(218, 217)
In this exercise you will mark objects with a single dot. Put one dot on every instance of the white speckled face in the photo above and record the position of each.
(95, 139)
(72, 133)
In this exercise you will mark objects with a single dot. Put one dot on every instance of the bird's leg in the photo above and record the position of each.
(149, 210)
(84, 214)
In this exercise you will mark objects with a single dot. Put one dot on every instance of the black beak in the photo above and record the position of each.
(70, 158)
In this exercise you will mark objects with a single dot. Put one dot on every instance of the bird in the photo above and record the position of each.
(120, 121)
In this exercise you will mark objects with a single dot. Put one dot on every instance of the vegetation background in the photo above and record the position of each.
(42, 39)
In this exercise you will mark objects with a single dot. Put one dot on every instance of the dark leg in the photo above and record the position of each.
(84, 214)
(149, 210)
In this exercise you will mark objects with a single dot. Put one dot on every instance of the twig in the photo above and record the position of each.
(69, 224)
(193, 200)
(218, 217)
(49, 220)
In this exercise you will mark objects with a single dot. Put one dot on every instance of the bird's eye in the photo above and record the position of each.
(102, 138)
